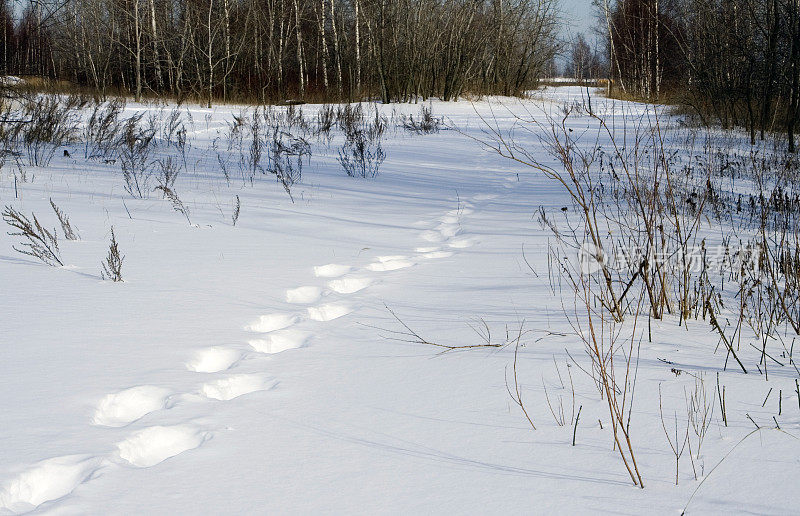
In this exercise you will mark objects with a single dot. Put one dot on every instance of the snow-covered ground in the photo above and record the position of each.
(252, 369)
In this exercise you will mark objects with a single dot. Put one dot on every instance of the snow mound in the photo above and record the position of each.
(448, 230)
(235, 386)
(391, 258)
(48, 480)
(349, 285)
(214, 360)
(432, 236)
(281, 341)
(390, 265)
(437, 254)
(124, 407)
(303, 295)
(328, 312)
(272, 322)
(331, 270)
(462, 243)
(156, 444)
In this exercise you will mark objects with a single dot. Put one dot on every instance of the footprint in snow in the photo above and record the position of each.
(462, 243)
(156, 444)
(272, 322)
(214, 360)
(448, 230)
(349, 285)
(391, 258)
(124, 407)
(432, 236)
(47, 480)
(390, 263)
(436, 254)
(331, 270)
(237, 385)
(303, 295)
(328, 312)
(280, 341)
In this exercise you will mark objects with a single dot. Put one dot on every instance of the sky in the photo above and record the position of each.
(579, 16)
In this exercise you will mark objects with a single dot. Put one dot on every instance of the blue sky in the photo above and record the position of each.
(579, 16)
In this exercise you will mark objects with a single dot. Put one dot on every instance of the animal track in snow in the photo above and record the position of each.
(349, 285)
(390, 263)
(280, 341)
(236, 385)
(331, 270)
(124, 407)
(391, 258)
(459, 212)
(462, 243)
(272, 322)
(156, 444)
(303, 295)
(48, 480)
(437, 254)
(432, 236)
(214, 360)
(328, 312)
(448, 230)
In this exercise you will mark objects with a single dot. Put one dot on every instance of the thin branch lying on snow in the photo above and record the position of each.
(409, 335)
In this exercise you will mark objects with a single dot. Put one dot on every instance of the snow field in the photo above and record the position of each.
(255, 368)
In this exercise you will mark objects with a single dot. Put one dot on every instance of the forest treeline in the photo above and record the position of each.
(265, 50)
(734, 62)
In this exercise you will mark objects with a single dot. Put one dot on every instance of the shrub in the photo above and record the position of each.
(102, 129)
(49, 124)
(426, 123)
(361, 156)
(112, 266)
(66, 225)
(136, 144)
(39, 242)
(286, 153)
